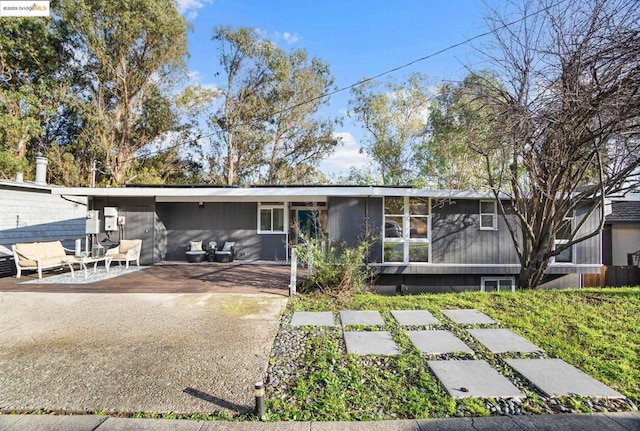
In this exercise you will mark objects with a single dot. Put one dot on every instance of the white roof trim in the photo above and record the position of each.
(186, 194)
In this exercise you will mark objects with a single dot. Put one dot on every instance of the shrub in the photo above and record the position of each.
(339, 271)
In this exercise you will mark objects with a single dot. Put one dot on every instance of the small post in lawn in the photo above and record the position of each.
(294, 272)
(259, 393)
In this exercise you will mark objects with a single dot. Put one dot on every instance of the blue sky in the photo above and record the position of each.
(356, 38)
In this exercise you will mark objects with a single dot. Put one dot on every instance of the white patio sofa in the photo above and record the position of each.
(38, 256)
(128, 250)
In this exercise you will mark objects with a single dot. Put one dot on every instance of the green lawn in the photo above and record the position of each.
(596, 330)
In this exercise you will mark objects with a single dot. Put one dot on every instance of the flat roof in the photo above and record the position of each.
(265, 193)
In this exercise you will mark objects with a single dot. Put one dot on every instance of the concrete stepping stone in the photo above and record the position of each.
(476, 378)
(370, 343)
(468, 317)
(437, 342)
(503, 340)
(554, 377)
(312, 318)
(366, 318)
(414, 317)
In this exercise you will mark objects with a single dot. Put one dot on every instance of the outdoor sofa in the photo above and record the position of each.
(37, 256)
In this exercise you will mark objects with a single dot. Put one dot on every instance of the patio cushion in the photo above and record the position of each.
(28, 249)
(126, 245)
(195, 246)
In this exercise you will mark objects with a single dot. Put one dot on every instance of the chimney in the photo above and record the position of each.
(41, 170)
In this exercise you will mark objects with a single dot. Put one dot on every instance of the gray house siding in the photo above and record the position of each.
(139, 222)
(179, 223)
(456, 237)
(352, 219)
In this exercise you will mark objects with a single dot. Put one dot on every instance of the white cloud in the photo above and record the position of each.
(190, 7)
(290, 38)
(346, 156)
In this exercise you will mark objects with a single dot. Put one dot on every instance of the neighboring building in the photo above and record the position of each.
(30, 212)
(423, 240)
(621, 234)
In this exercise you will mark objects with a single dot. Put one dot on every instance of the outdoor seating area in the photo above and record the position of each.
(197, 252)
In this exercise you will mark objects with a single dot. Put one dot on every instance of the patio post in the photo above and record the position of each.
(294, 272)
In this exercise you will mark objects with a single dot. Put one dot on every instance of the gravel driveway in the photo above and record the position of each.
(181, 353)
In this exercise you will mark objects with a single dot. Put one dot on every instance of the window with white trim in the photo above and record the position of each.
(271, 218)
(406, 230)
(563, 235)
(498, 284)
(488, 215)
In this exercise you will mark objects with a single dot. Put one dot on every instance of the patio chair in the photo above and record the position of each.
(195, 253)
(227, 252)
(128, 250)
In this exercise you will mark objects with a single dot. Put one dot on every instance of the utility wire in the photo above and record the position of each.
(389, 71)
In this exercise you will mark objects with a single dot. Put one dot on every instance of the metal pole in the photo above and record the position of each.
(259, 393)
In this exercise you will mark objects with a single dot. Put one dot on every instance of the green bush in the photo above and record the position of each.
(339, 271)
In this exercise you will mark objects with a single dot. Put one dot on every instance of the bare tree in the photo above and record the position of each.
(567, 128)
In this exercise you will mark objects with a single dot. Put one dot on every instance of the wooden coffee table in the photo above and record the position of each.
(82, 262)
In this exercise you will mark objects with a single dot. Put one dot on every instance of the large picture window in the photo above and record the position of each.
(271, 218)
(406, 230)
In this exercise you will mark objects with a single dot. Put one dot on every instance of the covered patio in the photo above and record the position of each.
(172, 277)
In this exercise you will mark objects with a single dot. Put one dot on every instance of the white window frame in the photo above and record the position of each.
(493, 214)
(557, 242)
(406, 239)
(272, 207)
(483, 281)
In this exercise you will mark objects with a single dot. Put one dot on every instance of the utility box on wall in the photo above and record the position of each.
(110, 219)
(93, 222)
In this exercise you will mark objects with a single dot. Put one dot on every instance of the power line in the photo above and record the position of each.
(389, 71)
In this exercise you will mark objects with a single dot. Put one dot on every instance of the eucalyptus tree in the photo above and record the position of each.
(395, 117)
(32, 62)
(567, 123)
(459, 131)
(124, 57)
(266, 128)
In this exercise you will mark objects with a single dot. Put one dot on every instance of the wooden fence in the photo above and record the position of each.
(613, 276)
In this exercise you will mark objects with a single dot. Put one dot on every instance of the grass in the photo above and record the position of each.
(596, 330)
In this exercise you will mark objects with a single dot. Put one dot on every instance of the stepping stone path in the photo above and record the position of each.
(366, 318)
(554, 377)
(465, 379)
(414, 317)
(312, 318)
(370, 343)
(462, 378)
(437, 342)
(469, 317)
(503, 340)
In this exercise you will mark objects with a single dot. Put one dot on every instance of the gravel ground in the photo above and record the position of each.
(124, 353)
(287, 358)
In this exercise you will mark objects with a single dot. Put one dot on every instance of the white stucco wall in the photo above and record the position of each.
(625, 239)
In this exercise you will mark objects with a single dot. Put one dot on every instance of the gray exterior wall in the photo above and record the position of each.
(456, 236)
(28, 215)
(354, 218)
(178, 223)
(139, 224)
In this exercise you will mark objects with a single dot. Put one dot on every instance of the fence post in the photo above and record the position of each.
(294, 272)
